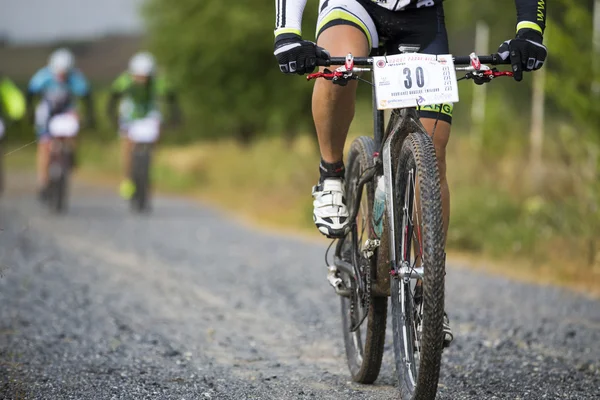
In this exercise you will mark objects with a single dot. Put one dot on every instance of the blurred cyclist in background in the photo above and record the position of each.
(12, 103)
(135, 95)
(12, 108)
(58, 85)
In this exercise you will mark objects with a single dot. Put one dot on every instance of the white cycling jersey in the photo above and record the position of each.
(531, 14)
(289, 12)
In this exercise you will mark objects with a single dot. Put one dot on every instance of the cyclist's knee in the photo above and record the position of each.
(346, 27)
(339, 40)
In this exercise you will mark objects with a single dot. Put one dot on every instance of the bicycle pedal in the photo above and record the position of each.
(336, 282)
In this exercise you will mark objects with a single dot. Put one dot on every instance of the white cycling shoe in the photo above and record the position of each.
(330, 212)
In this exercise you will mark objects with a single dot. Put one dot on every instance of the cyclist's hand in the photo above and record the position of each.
(526, 52)
(295, 55)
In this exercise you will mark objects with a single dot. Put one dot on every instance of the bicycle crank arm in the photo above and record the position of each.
(346, 267)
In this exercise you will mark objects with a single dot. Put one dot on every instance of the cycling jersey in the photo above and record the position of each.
(59, 96)
(530, 13)
(141, 99)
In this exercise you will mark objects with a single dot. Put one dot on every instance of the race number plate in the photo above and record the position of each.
(64, 125)
(146, 130)
(412, 80)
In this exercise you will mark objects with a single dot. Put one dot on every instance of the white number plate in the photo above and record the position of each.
(146, 130)
(412, 80)
(64, 125)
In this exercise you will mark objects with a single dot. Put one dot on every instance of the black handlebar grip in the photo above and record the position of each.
(492, 59)
(324, 63)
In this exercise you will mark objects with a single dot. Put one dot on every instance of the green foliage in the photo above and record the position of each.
(220, 55)
(571, 63)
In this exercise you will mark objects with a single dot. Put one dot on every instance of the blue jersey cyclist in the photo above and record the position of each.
(57, 85)
(361, 27)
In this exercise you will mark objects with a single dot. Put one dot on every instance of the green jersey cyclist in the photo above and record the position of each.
(135, 95)
(12, 103)
(359, 27)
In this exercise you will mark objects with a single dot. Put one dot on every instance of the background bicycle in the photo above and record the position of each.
(143, 133)
(63, 129)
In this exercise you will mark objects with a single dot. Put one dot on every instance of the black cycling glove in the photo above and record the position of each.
(526, 52)
(295, 55)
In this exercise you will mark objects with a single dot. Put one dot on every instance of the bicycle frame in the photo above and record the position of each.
(389, 141)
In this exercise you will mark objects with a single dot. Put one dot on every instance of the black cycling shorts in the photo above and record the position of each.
(385, 30)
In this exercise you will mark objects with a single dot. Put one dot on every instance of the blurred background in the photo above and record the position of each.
(523, 157)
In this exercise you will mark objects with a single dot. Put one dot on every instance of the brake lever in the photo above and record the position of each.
(337, 77)
(485, 76)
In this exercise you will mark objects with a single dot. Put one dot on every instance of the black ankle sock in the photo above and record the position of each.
(331, 170)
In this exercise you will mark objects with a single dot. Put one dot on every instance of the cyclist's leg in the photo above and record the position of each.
(343, 27)
(71, 143)
(127, 187)
(443, 115)
(42, 160)
(42, 117)
(440, 141)
(437, 120)
(427, 27)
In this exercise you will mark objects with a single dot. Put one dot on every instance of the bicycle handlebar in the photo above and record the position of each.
(492, 59)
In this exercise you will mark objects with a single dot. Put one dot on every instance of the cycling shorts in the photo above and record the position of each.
(43, 114)
(385, 30)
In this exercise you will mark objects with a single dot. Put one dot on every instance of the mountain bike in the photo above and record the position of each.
(395, 246)
(143, 133)
(62, 128)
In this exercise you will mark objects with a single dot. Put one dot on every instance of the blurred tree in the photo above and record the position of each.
(220, 55)
(571, 74)
(571, 70)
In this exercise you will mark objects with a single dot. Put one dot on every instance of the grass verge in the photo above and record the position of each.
(497, 223)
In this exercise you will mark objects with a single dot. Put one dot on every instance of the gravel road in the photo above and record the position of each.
(188, 304)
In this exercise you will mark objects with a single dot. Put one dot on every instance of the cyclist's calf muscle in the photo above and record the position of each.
(441, 137)
(333, 105)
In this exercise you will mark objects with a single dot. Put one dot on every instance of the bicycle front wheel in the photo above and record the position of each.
(58, 181)
(141, 178)
(418, 303)
(363, 317)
